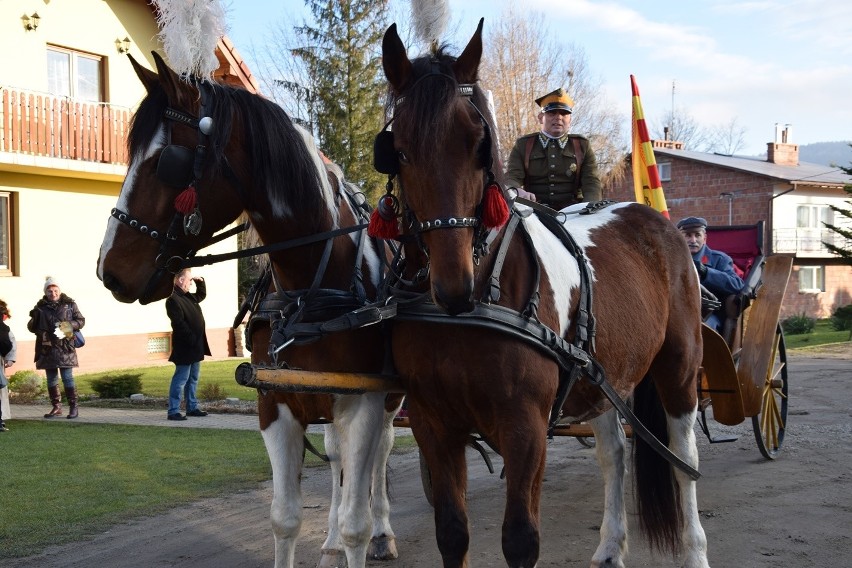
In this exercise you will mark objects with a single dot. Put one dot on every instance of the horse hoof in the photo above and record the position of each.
(382, 548)
(332, 559)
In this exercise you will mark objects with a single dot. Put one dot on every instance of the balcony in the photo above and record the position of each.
(43, 125)
(804, 242)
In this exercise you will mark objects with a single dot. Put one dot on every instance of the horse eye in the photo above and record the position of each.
(402, 157)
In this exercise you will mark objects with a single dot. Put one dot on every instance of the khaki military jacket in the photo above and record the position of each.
(554, 176)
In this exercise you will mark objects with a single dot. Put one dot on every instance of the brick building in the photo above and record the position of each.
(792, 197)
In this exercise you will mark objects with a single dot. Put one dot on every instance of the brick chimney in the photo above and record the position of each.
(782, 151)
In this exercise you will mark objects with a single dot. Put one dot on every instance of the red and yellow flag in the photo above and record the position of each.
(646, 178)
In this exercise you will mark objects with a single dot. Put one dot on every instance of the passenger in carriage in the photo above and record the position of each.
(715, 268)
(554, 167)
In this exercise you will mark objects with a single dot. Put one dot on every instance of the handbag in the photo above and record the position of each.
(78, 339)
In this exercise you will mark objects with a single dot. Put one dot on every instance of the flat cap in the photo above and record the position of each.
(691, 222)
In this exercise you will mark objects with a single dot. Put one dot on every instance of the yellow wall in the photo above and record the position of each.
(61, 207)
(84, 25)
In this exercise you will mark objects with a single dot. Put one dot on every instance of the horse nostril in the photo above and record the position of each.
(111, 283)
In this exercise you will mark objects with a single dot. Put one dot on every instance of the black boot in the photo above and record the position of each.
(71, 395)
(55, 400)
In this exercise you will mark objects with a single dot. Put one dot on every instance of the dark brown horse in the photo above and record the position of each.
(247, 156)
(475, 372)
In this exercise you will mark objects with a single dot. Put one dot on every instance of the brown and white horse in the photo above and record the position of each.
(247, 156)
(467, 374)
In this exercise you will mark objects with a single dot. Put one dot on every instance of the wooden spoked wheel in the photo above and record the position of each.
(771, 422)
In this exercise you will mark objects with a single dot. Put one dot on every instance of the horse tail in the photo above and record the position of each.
(657, 498)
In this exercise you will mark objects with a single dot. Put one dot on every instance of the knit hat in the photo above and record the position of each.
(50, 281)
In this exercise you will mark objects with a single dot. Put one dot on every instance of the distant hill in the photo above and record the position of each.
(827, 153)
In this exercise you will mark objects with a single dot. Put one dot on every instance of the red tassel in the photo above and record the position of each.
(383, 224)
(495, 211)
(185, 202)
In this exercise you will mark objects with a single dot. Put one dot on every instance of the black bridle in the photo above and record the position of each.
(386, 161)
(179, 167)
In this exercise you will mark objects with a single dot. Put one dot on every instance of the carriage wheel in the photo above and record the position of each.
(771, 423)
(426, 478)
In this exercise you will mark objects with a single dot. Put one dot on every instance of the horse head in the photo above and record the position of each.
(170, 203)
(440, 148)
(200, 154)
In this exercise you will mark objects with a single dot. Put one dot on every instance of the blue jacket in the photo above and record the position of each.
(721, 278)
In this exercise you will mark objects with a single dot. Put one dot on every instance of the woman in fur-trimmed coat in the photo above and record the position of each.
(53, 320)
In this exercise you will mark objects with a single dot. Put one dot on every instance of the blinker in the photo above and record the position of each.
(385, 159)
(174, 167)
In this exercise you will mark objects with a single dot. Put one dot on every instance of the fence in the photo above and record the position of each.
(59, 127)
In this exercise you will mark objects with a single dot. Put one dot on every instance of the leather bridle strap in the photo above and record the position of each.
(179, 263)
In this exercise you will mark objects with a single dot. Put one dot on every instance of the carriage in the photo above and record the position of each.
(249, 158)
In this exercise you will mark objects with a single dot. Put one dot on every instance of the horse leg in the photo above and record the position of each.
(609, 451)
(682, 443)
(284, 440)
(383, 542)
(358, 420)
(523, 444)
(445, 457)
(331, 553)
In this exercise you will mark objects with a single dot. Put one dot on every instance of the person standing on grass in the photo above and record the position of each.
(189, 343)
(53, 320)
(8, 349)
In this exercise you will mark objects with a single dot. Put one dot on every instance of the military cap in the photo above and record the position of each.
(692, 222)
(555, 100)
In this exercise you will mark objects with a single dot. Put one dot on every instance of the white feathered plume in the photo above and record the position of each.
(190, 30)
(429, 20)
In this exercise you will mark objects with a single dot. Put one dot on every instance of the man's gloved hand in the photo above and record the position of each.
(701, 268)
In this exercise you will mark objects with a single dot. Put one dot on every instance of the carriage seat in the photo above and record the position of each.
(744, 244)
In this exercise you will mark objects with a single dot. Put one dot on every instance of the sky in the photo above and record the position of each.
(758, 62)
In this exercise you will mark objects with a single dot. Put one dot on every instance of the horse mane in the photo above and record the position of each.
(297, 178)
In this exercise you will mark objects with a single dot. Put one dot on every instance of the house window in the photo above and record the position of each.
(812, 279)
(6, 234)
(665, 171)
(74, 74)
(812, 216)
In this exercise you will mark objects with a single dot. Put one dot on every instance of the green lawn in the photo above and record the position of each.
(821, 335)
(155, 380)
(65, 482)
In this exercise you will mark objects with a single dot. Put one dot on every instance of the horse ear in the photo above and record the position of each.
(149, 78)
(395, 60)
(170, 80)
(466, 66)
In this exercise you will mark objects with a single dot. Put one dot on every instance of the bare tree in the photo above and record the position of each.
(726, 138)
(681, 127)
(523, 61)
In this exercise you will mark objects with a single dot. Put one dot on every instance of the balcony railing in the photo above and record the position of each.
(40, 124)
(803, 241)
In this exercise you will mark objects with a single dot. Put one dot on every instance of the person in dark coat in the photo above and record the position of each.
(715, 268)
(8, 349)
(552, 166)
(189, 343)
(53, 320)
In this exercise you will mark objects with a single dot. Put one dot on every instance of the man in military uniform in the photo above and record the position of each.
(554, 167)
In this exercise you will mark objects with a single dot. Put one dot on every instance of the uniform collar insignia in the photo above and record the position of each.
(544, 140)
